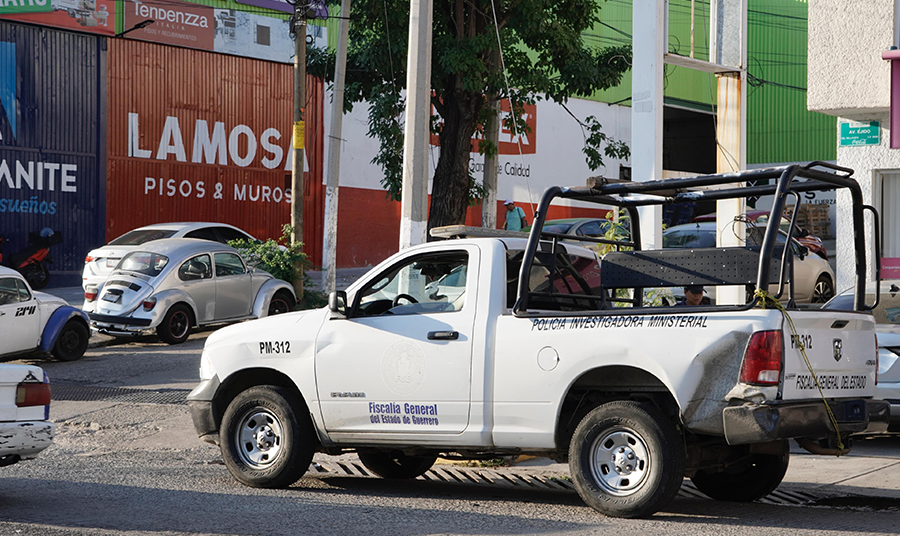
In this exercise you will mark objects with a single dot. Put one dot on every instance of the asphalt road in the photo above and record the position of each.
(126, 461)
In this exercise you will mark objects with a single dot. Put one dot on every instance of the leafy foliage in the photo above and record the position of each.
(545, 58)
(279, 260)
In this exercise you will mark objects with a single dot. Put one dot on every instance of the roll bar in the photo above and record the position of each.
(816, 176)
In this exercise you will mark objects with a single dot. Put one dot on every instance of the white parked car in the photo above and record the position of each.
(34, 321)
(887, 319)
(813, 275)
(173, 284)
(24, 413)
(99, 262)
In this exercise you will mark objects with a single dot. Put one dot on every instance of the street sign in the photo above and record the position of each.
(856, 133)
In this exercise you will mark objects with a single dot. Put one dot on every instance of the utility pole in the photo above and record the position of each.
(299, 137)
(492, 136)
(334, 153)
(414, 203)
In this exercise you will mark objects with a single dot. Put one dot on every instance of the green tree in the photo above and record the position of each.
(545, 58)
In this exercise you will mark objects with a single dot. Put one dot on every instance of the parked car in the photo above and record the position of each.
(577, 227)
(761, 217)
(99, 262)
(814, 278)
(24, 413)
(173, 284)
(38, 322)
(887, 320)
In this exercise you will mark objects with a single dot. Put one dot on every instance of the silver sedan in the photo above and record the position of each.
(174, 284)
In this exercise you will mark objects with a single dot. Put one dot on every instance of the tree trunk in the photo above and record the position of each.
(450, 188)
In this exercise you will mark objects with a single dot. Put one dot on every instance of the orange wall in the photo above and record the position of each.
(369, 224)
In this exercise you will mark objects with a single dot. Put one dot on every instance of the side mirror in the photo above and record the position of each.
(802, 251)
(337, 302)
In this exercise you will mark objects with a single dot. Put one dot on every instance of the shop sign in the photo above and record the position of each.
(93, 16)
(856, 133)
(24, 6)
(890, 268)
(174, 23)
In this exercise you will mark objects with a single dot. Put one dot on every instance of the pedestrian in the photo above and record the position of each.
(515, 216)
(693, 295)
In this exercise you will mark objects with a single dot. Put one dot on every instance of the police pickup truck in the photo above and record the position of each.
(479, 347)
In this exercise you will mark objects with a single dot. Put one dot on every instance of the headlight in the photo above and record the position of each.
(207, 371)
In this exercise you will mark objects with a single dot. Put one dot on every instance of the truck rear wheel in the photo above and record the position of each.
(627, 459)
(753, 479)
(395, 464)
(267, 438)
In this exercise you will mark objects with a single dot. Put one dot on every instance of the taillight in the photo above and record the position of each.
(89, 259)
(149, 304)
(762, 361)
(90, 295)
(32, 394)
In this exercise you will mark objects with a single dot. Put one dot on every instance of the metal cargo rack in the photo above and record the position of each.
(637, 269)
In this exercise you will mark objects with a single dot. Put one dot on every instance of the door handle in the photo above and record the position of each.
(443, 335)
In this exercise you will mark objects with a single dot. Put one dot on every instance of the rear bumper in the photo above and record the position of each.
(119, 325)
(757, 423)
(25, 439)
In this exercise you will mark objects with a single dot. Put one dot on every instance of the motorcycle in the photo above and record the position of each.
(32, 260)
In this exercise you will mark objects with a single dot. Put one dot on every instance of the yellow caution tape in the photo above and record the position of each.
(763, 299)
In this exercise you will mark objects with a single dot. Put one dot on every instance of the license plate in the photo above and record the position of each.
(111, 263)
(113, 298)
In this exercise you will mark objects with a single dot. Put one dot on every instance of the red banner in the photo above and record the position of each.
(174, 23)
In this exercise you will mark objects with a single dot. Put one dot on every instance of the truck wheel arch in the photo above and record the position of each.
(605, 384)
(242, 380)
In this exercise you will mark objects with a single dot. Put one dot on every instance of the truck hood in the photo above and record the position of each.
(49, 299)
(300, 325)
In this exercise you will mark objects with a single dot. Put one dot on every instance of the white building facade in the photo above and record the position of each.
(849, 77)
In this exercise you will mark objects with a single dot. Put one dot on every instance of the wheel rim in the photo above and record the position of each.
(278, 306)
(823, 292)
(178, 324)
(69, 341)
(620, 461)
(258, 438)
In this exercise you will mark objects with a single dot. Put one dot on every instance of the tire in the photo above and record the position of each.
(823, 291)
(176, 325)
(751, 480)
(267, 438)
(627, 459)
(395, 465)
(71, 342)
(282, 302)
(37, 275)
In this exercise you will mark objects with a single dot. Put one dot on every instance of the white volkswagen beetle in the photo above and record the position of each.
(173, 284)
(34, 321)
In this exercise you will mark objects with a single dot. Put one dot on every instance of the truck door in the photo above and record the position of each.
(402, 360)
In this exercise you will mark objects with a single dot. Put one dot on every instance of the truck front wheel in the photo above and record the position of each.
(627, 459)
(267, 437)
(750, 480)
(395, 464)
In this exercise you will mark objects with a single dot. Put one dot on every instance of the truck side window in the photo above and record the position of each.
(432, 283)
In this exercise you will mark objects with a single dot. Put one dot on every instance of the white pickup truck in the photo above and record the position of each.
(480, 347)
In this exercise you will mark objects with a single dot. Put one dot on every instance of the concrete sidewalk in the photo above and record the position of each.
(872, 469)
